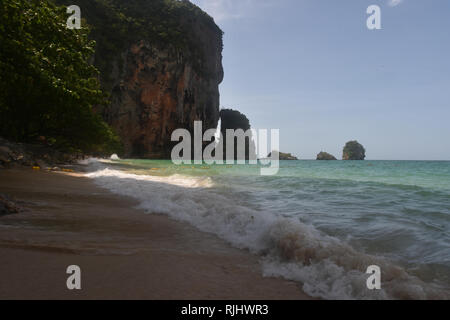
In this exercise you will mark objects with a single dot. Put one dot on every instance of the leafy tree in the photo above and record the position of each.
(47, 86)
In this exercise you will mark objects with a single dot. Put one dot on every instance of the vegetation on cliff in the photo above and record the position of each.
(116, 24)
(353, 150)
(47, 86)
(325, 156)
(160, 63)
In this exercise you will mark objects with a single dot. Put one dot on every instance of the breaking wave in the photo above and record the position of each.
(324, 266)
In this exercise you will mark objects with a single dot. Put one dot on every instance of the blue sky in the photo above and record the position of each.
(312, 69)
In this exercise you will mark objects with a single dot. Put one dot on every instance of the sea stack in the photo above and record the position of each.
(353, 150)
(234, 120)
(325, 156)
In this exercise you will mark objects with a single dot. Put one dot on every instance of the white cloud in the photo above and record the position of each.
(393, 3)
(222, 10)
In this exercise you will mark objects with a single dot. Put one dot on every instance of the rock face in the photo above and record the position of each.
(284, 156)
(161, 63)
(159, 90)
(22, 154)
(325, 156)
(232, 119)
(353, 150)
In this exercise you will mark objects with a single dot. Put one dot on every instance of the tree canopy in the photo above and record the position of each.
(47, 85)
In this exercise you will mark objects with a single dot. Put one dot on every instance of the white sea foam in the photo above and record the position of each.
(325, 266)
(174, 180)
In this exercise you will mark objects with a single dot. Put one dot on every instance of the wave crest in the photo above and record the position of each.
(325, 266)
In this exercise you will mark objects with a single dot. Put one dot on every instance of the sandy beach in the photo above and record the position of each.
(123, 253)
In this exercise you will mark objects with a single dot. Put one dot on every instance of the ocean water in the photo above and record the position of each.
(318, 223)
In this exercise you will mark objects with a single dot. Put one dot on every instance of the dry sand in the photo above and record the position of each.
(122, 252)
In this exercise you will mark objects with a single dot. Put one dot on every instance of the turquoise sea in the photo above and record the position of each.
(320, 223)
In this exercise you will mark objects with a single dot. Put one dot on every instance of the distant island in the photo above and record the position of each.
(283, 156)
(325, 156)
(353, 150)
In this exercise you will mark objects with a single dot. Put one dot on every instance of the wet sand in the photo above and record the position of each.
(123, 253)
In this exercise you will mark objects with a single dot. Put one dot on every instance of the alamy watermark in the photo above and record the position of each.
(74, 21)
(374, 20)
(74, 280)
(242, 147)
(374, 280)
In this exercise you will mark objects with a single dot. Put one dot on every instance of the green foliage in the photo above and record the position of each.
(47, 86)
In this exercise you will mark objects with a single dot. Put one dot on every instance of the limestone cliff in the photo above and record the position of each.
(161, 63)
(160, 91)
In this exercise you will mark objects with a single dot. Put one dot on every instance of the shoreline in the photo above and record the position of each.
(123, 253)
